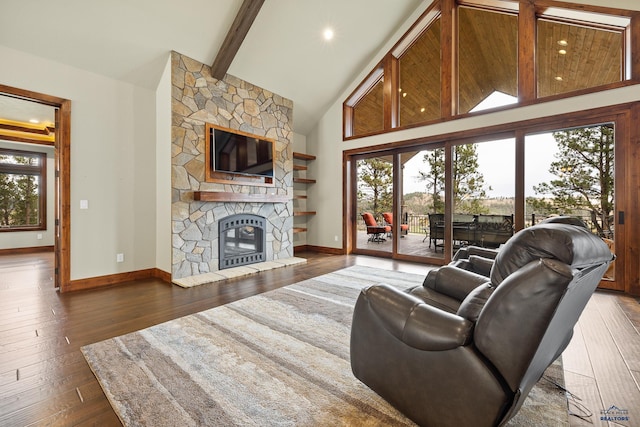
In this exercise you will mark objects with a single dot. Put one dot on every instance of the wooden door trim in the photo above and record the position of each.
(63, 160)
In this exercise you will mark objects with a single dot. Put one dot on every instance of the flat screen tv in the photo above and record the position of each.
(239, 153)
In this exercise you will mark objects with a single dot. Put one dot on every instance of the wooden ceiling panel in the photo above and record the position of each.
(367, 113)
(420, 78)
(593, 57)
(487, 55)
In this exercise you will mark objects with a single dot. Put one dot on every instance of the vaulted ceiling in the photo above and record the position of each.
(283, 51)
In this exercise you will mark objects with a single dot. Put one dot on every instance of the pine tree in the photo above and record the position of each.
(19, 193)
(375, 186)
(584, 170)
(26, 204)
(468, 182)
(7, 198)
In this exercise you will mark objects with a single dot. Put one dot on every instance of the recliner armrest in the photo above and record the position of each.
(453, 281)
(415, 323)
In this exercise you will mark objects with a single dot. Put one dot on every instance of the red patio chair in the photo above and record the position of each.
(376, 232)
(388, 218)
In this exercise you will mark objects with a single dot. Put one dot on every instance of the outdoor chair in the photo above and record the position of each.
(374, 231)
(388, 219)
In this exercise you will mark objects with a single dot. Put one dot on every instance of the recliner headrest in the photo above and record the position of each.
(575, 246)
(565, 219)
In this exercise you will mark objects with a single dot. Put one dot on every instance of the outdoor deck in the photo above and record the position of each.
(411, 244)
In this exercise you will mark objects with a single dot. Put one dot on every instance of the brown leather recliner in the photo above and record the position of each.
(465, 350)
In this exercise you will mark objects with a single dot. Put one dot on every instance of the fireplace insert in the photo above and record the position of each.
(242, 240)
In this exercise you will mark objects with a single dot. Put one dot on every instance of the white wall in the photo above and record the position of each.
(163, 168)
(113, 162)
(29, 239)
(325, 140)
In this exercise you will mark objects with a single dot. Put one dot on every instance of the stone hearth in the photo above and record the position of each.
(231, 273)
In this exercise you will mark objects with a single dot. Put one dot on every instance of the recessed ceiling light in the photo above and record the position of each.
(34, 121)
(562, 52)
(404, 94)
(422, 110)
(562, 42)
(558, 78)
(328, 33)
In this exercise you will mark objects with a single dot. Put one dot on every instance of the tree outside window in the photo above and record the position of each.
(469, 189)
(584, 177)
(22, 186)
(375, 186)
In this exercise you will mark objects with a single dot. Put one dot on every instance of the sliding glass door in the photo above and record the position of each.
(373, 200)
(572, 172)
(483, 181)
(423, 203)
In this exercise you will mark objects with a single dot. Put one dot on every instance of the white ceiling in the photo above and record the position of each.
(284, 51)
(20, 110)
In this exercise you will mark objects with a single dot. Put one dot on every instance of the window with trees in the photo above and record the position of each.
(453, 59)
(374, 196)
(578, 179)
(22, 190)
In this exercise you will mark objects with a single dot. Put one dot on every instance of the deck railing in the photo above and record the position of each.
(419, 223)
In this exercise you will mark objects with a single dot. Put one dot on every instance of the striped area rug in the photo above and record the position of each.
(276, 359)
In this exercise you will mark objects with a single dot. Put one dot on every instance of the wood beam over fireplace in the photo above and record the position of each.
(223, 196)
(238, 31)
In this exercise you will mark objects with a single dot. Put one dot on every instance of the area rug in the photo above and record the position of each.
(276, 359)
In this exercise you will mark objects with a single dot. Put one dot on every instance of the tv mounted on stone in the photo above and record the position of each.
(237, 157)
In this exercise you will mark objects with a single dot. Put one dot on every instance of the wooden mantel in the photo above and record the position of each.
(221, 196)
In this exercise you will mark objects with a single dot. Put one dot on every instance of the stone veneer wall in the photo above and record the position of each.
(198, 98)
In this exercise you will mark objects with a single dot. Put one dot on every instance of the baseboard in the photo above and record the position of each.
(319, 249)
(115, 279)
(22, 251)
(162, 275)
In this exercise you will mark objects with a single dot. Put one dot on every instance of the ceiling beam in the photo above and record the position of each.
(47, 130)
(239, 29)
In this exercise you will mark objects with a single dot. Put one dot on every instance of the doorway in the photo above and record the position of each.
(62, 182)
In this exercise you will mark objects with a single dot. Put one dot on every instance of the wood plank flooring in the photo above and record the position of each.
(44, 379)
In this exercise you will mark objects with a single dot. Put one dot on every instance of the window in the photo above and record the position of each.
(487, 55)
(453, 59)
(419, 91)
(573, 57)
(22, 190)
(368, 109)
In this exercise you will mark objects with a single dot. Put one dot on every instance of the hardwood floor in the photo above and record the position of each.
(44, 379)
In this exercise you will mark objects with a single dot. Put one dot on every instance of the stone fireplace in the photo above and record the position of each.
(199, 240)
(242, 240)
